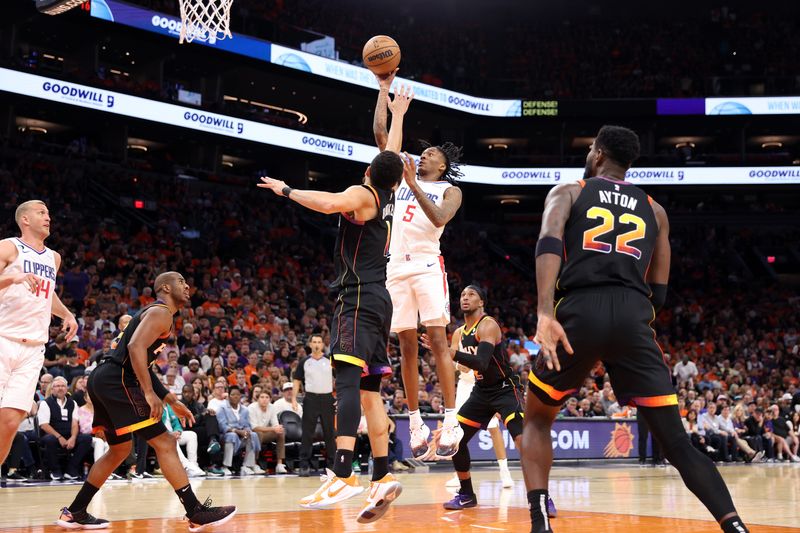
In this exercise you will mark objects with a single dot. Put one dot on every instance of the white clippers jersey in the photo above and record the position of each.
(412, 232)
(25, 315)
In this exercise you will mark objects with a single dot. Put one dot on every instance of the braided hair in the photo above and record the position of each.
(452, 157)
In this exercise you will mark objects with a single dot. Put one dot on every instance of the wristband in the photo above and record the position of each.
(286, 191)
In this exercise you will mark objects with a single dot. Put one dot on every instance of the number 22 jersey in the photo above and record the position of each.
(609, 237)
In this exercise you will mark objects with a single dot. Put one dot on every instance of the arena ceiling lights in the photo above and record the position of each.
(86, 97)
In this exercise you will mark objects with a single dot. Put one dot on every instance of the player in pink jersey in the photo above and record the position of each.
(27, 301)
(415, 276)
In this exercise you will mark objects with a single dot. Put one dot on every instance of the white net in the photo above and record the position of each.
(205, 20)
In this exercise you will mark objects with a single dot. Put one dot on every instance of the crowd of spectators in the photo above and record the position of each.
(259, 269)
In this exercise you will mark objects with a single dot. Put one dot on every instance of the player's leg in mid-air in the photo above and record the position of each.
(451, 433)
(384, 487)
(361, 362)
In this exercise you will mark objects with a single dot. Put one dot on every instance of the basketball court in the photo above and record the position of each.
(606, 498)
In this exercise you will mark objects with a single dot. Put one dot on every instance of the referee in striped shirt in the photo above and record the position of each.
(315, 373)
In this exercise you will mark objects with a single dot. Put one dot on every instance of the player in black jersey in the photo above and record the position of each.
(128, 398)
(362, 316)
(604, 253)
(478, 345)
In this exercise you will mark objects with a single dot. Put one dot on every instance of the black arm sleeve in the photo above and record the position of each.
(158, 387)
(479, 361)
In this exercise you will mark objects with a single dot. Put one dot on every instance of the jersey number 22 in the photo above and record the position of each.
(622, 244)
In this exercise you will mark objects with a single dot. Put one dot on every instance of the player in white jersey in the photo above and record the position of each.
(466, 382)
(27, 300)
(416, 276)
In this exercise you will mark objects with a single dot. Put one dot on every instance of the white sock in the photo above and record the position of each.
(450, 417)
(414, 418)
(503, 464)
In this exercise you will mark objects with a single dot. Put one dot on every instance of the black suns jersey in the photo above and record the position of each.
(119, 346)
(362, 248)
(499, 368)
(609, 238)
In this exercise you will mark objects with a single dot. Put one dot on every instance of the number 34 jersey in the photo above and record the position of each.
(609, 237)
(413, 234)
(25, 315)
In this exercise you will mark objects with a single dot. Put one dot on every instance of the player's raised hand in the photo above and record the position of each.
(548, 334)
(385, 80)
(29, 281)
(402, 99)
(272, 184)
(70, 326)
(409, 169)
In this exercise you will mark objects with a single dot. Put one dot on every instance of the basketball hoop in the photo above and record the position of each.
(205, 20)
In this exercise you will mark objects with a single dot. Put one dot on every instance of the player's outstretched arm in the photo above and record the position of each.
(380, 117)
(155, 324)
(438, 215)
(351, 199)
(398, 107)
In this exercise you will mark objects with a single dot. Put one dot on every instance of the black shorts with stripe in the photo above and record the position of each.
(505, 398)
(612, 325)
(120, 408)
(362, 317)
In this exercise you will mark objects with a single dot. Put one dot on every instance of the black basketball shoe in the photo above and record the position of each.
(206, 516)
(80, 520)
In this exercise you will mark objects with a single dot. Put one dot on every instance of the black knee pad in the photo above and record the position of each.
(371, 383)
(348, 399)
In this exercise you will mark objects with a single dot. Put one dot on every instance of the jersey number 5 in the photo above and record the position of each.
(409, 214)
(607, 218)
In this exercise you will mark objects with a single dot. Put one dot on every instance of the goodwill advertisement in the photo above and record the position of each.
(340, 71)
(116, 103)
(152, 21)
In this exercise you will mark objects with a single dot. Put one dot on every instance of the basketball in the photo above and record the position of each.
(381, 54)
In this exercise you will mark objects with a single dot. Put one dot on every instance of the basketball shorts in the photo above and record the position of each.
(419, 293)
(613, 326)
(360, 328)
(483, 403)
(120, 408)
(463, 392)
(20, 366)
